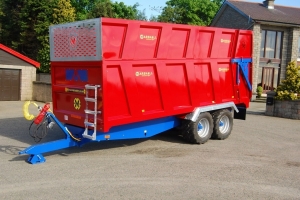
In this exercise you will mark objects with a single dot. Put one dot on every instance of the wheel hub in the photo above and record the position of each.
(224, 124)
(203, 128)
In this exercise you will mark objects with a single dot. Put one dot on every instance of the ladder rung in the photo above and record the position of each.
(89, 124)
(92, 112)
(88, 136)
(90, 99)
(91, 87)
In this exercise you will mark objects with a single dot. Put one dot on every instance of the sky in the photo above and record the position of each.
(148, 4)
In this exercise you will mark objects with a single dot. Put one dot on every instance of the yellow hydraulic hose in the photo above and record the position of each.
(72, 136)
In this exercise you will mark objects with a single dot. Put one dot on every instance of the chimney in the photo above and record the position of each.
(269, 4)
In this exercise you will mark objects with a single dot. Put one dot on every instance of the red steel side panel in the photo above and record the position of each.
(169, 69)
(68, 93)
(152, 70)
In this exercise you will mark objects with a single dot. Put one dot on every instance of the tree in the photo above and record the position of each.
(83, 7)
(102, 8)
(140, 14)
(1, 8)
(290, 87)
(107, 8)
(9, 21)
(200, 12)
(25, 25)
(153, 18)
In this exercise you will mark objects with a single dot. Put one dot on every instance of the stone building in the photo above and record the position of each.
(276, 36)
(17, 72)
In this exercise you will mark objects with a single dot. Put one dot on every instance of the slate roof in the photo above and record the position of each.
(258, 12)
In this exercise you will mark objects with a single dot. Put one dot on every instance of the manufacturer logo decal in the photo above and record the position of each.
(143, 74)
(223, 69)
(225, 41)
(77, 103)
(147, 37)
(73, 40)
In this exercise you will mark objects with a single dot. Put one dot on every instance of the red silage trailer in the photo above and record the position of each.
(119, 79)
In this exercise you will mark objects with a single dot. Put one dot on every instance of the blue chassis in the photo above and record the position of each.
(143, 129)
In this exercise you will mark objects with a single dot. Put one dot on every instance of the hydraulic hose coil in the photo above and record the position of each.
(26, 113)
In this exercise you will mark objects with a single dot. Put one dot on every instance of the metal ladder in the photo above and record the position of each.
(88, 112)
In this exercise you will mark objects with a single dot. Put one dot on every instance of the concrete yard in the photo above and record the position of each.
(260, 160)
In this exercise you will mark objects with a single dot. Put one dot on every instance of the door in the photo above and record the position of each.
(10, 84)
(269, 78)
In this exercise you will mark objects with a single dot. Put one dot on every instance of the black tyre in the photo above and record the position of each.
(200, 131)
(223, 122)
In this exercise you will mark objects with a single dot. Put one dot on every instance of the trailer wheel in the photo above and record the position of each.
(223, 122)
(200, 131)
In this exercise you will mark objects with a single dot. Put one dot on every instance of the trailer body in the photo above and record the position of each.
(119, 79)
(145, 70)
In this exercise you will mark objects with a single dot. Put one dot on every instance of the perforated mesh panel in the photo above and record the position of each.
(76, 41)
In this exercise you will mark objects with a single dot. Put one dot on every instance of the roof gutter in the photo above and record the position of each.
(277, 23)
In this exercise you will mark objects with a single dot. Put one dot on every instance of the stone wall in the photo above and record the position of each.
(284, 109)
(43, 77)
(42, 91)
(256, 56)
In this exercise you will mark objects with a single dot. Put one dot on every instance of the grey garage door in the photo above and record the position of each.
(9, 84)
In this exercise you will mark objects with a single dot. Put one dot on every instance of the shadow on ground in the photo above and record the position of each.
(17, 130)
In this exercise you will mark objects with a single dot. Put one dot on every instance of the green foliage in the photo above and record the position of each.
(82, 8)
(9, 21)
(140, 14)
(290, 87)
(107, 8)
(259, 91)
(1, 9)
(26, 26)
(122, 11)
(200, 12)
(153, 18)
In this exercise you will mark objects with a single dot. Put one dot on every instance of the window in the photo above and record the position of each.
(270, 44)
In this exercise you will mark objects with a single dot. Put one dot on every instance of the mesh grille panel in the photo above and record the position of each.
(77, 41)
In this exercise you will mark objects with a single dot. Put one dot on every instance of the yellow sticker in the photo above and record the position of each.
(77, 103)
(81, 91)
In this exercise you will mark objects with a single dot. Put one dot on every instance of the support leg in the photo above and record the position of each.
(36, 158)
